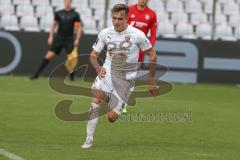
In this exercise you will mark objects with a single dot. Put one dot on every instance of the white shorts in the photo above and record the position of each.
(117, 90)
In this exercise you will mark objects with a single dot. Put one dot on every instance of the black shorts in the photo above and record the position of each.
(60, 43)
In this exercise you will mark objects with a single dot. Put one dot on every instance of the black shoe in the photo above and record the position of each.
(72, 78)
(33, 77)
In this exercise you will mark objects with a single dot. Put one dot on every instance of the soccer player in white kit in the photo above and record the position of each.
(115, 80)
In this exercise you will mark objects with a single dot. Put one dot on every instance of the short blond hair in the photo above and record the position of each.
(120, 7)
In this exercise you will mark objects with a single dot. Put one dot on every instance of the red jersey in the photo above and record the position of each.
(143, 20)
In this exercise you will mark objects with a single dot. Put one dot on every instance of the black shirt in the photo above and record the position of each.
(66, 20)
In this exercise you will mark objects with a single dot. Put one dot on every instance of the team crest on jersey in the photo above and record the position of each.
(147, 17)
(127, 38)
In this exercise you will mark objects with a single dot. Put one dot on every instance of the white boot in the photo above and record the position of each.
(87, 144)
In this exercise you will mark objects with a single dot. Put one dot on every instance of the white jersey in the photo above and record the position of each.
(122, 50)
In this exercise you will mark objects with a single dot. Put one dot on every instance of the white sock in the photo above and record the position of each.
(92, 121)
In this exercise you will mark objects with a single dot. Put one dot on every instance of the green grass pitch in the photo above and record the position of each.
(30, 128)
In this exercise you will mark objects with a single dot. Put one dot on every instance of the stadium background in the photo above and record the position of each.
(198, 41)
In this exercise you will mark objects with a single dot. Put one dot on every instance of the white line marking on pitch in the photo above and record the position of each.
(9, 155)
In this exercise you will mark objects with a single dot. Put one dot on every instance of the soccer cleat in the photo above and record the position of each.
(33, 77)
(72, 77)
(87, 144)
(124, 111)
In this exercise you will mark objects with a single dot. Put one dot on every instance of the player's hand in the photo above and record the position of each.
(101, 72)
(76, 43)
(50, 40)
(153, 88)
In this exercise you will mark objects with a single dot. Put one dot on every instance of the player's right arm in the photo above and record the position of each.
(94, 61)
(97, 48)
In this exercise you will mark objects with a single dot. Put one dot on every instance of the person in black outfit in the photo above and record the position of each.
(65, 20)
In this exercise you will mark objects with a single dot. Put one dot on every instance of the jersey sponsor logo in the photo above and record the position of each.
(125, 45)
(122, 46)
(138, 24)
(111, 46)
(141, 24)
(132, 16)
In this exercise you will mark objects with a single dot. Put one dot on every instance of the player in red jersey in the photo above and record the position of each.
(143, 18)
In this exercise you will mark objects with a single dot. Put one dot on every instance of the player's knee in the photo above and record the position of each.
(112, 116)
(49, 55)
(97, 101)
(111, 119)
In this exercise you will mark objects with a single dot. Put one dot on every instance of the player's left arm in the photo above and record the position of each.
(79, 33)
(153, 88)
(78, 26)
(153, 28)
(146, 46)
